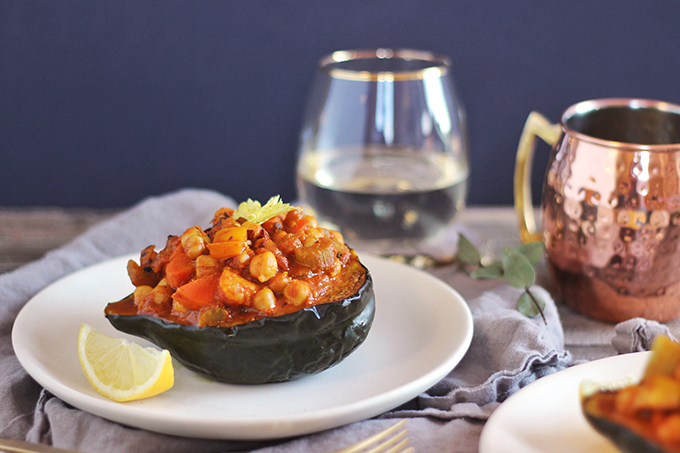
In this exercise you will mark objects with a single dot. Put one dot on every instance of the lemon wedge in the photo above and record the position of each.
(122, 370)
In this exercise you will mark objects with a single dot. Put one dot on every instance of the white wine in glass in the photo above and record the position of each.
(383, 153)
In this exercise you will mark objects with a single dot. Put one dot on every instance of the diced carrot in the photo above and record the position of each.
(179, 270)
(231, 234)
(227, 249)
(197, 293)
(304, 222)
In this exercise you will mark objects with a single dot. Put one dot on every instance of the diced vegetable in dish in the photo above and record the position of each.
(645, 416)
(251, 301)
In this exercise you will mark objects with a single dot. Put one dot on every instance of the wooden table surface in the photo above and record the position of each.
(26, 234)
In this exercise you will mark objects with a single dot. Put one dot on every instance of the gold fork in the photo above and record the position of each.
(392, 442)
(21, 446)
(397, 443)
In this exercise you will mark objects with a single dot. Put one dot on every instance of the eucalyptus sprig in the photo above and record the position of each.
(516, 267)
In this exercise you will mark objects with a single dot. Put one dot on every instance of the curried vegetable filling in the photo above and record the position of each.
(238, 271)
(643, 417)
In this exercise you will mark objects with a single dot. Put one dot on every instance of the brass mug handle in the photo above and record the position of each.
(536, 126)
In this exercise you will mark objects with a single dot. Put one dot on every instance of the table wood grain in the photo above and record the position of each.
(26, 234)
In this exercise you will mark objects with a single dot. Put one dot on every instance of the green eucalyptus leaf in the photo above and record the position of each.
(532, 250)
(517, 269)
(527, 306)
(492, 271)
(467, 252)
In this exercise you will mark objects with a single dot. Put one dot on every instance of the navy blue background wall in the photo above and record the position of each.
(103, 103)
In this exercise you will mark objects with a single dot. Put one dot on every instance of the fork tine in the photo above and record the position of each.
(390, 442)
(400, 439)
(396, 449)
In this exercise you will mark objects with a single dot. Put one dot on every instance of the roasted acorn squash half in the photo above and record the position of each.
(644, 416)
(263, 295)
(271, 349)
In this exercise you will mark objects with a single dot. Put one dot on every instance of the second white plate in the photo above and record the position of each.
(545, 416)
(421, 331)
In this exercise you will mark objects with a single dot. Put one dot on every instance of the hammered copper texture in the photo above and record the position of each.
(611, 225)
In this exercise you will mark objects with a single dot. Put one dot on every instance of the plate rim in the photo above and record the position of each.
(326, 418)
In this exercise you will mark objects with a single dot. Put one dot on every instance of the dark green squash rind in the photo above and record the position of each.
(272, 349)
(623, 437)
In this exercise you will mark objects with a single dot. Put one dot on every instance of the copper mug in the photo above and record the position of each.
(610, 208)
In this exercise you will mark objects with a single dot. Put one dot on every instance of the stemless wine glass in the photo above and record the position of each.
(383, 154)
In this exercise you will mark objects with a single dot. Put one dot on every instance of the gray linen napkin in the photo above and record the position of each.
(508, 351)
(637, 335)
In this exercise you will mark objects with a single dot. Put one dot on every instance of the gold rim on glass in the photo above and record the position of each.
(430, 64)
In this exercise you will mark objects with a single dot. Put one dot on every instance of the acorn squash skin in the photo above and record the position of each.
(272, 349)
(620, 435)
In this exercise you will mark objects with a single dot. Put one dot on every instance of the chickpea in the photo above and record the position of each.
(193, 242)
(264, 300)
(263, 266)
(297, 292)
(178, 308)
(312, 236)
(313, 223)
(337, 237)
(316, 232)
(279, 282)
(243, 259)
(141, 293)
(161, 294)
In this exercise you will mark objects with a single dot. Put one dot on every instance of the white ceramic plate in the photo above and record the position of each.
(545, 416)
(421, 331)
